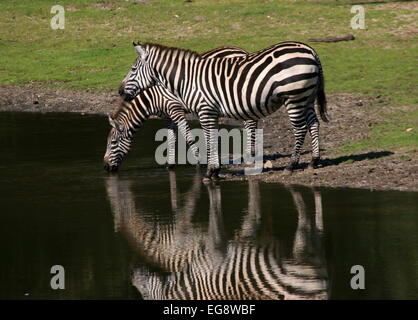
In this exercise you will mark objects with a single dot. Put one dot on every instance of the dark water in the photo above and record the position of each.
(146, 232)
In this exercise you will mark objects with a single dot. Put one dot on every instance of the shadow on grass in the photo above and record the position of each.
(324, 162)
(355, 157)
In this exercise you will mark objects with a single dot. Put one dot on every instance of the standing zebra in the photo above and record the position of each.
(158, 101)
(246, 88)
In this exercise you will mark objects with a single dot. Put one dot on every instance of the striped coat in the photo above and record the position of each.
(247, 88)
(158, 101)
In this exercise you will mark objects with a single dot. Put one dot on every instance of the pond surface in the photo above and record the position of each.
(146, 232)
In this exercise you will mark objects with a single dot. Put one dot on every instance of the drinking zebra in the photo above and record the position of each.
(190, 262)
(160, 102)
(247, 87)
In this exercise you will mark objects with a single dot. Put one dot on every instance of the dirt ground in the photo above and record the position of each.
(351, 119)
(35, 99)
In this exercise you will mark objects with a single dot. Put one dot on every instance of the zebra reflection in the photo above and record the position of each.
(190, 263)
(165, 246)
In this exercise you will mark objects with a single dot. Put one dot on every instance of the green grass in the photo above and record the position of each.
(94, 50)
(397, 132)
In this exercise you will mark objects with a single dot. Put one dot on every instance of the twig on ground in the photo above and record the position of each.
(334, 39)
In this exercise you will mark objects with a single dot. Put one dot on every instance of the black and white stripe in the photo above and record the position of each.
(155, 101)
(159, 101)
(245, 88)
(186, 261)
(247, 269)
(161, 245)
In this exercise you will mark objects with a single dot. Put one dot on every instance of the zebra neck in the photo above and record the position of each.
(176, 68)
(135, 115)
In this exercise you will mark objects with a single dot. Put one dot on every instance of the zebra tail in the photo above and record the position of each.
(320, 96)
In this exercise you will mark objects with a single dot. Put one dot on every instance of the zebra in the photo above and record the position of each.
(247, 87)
(190, 263)
(160, 102)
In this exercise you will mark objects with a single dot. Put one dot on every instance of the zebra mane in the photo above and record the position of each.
(123, 105)
(163, 48)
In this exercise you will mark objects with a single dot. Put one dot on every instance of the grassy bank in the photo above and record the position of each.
(94, 51)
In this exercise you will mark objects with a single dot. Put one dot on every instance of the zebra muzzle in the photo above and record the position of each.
(110, 168)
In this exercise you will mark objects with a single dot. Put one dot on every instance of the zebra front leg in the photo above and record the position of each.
(185, 131)
(209, 123)
(171, 142)
(250, 126)
(313, 126)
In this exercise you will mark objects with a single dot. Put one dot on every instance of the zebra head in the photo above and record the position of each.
(118, 144)
(140, 77)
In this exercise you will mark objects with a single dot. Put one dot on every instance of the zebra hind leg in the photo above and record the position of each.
(298, 120)
(250, 127)
(209, 123)
(313, 125)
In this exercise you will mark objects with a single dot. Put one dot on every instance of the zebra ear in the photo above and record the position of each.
(140, 51)
(111, 121)
(115, 124)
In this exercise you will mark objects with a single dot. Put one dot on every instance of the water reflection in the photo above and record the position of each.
(181, 259)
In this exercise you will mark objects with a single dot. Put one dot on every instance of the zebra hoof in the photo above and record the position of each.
(314, 164)
(212, 173)
(218, 177)
(215, 175)
(170, 166)
(206, 180)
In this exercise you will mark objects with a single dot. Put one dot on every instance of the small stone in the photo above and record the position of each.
(268, 165)
(409, 129)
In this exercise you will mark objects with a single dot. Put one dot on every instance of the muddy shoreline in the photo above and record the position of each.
(351, 119)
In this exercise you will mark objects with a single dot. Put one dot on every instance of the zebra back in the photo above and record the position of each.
(225, 51)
